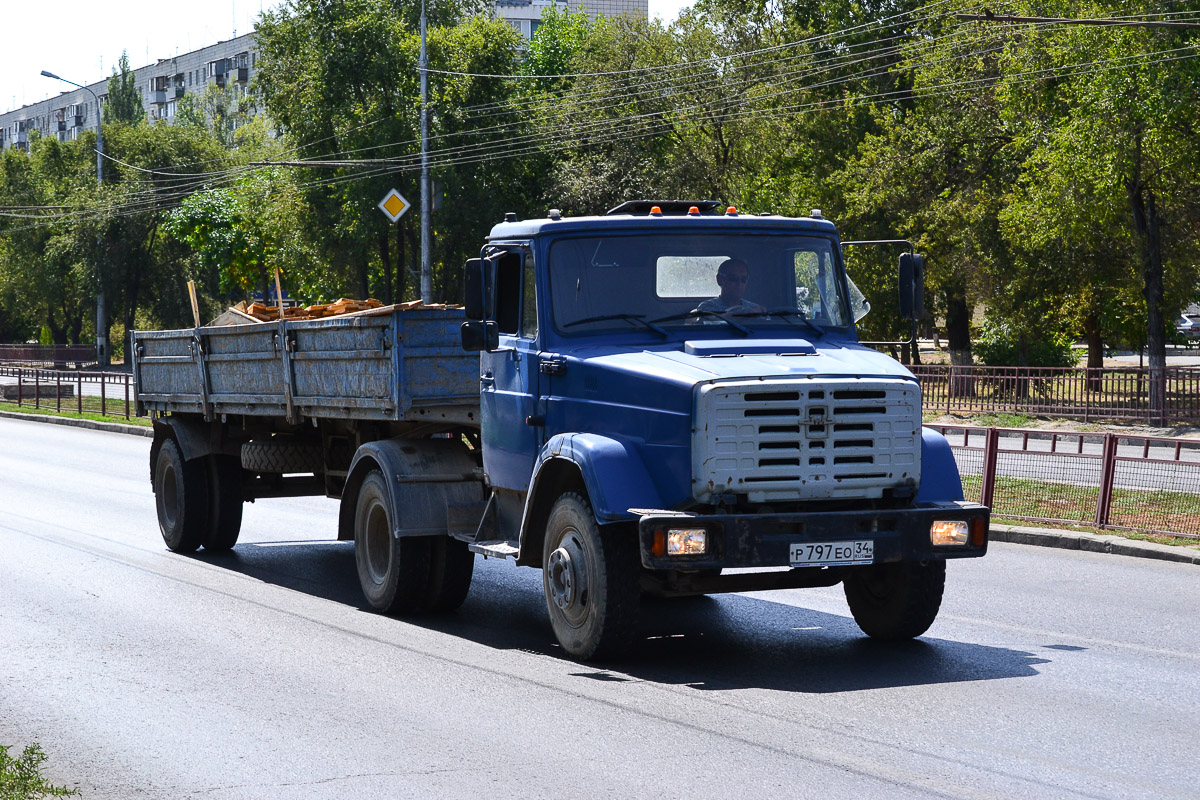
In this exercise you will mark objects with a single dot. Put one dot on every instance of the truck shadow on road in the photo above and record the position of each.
(706, 643)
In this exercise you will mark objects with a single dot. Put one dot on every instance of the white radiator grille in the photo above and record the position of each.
(805, 439)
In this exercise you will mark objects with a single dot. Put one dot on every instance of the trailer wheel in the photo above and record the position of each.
(282, 457)
(591, 581)
(451, 568)
(394, 572)
(181, 498)
(893, 602)
(225, 492)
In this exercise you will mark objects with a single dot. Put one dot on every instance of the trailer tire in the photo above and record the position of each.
(893, 602)
(225, 492)
(591, 581)
(181, 498)
(274, 457)
(394, 571)
(451, 568)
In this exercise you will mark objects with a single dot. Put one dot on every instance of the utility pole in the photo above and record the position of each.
(426, 267)
(102, 355)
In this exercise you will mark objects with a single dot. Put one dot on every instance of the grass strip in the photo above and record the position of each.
(95, 416)
(1146, 511)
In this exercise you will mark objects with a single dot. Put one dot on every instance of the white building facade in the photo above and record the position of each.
(230, 65)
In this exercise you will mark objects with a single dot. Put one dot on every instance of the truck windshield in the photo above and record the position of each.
(754, 280)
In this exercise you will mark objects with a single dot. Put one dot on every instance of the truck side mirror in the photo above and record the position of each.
(473, 297)
(479, 335)
(912, 285)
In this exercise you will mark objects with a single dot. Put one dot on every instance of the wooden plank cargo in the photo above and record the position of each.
(389, 364)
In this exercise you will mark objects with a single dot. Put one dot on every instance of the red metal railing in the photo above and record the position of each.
(1078, 393)
(86, 391)
(33, 355)
(1105, 480)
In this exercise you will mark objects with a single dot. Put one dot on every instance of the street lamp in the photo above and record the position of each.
(101, 309)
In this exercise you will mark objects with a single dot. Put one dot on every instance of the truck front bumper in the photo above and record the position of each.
(767, 540)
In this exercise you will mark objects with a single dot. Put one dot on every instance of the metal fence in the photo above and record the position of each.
(1076, 393)
(1105, 480)
(107, 393)
(50, 355)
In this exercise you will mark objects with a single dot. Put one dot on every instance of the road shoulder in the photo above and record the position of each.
(95, 425)
(1093, 543)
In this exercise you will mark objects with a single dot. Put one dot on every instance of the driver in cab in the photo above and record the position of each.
(732, 277)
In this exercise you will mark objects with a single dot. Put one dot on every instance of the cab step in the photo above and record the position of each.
(496, 549)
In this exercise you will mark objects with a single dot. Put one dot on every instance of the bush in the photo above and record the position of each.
(1000, 346)
(21, 778)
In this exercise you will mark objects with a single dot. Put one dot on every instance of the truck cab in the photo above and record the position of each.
(683, 388)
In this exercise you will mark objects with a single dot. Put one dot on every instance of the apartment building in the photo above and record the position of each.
(230, 64)
(526, 15)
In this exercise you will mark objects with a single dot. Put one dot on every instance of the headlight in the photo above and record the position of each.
(948, 532)
(687, 541)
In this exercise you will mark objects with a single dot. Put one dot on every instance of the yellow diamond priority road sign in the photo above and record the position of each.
(394, 205)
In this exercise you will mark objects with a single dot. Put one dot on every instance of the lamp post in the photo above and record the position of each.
(101, 308)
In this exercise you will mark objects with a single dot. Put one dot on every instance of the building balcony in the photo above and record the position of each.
(243, 74)
(158, 98)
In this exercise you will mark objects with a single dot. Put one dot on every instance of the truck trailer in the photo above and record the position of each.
(670, 399)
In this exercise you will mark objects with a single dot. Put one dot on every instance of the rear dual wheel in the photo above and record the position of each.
(403, 575)
(199, 502)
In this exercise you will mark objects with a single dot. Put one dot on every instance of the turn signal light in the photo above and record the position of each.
(979, 531)
(731, 211)
(693, 212)
(948, 532)
(655, 211)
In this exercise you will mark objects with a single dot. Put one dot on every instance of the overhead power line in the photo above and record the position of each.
(987, 16)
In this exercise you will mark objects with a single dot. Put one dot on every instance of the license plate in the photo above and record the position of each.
(820, 554)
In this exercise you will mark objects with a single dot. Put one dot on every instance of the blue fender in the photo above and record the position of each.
(939, 470)
(613, 472)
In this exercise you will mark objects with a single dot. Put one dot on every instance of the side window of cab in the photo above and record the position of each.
(529, 326)
(516, 294)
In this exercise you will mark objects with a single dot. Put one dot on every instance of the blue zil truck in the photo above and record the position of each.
(670, 399)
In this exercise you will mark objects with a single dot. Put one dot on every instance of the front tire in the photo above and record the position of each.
(393, 571)
(181, 499)
(893, 602)
(590, 580)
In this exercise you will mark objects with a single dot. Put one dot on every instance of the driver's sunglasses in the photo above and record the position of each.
(737, 278)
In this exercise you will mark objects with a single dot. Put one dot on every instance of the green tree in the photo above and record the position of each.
(340, 82)
(124, 100)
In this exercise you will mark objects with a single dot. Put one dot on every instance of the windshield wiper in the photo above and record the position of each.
(639, 319)
(785, 312)
(703, 312)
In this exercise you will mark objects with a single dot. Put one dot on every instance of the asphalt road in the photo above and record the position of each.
(258, 674)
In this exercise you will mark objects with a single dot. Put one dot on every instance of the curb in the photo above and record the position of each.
(1093, 543)
(108, 427)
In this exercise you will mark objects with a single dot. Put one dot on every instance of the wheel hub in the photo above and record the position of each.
(568, 579)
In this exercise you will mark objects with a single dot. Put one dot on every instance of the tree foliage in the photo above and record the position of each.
(124, 100)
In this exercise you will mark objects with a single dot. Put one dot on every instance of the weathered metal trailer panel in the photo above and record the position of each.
(385, 365)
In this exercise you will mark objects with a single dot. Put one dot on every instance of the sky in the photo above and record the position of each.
(87, 37)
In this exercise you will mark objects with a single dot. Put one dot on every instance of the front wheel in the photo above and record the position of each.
(591, 581)
(894, 602)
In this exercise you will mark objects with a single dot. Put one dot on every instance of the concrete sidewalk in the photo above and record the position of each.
(1016, 534)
